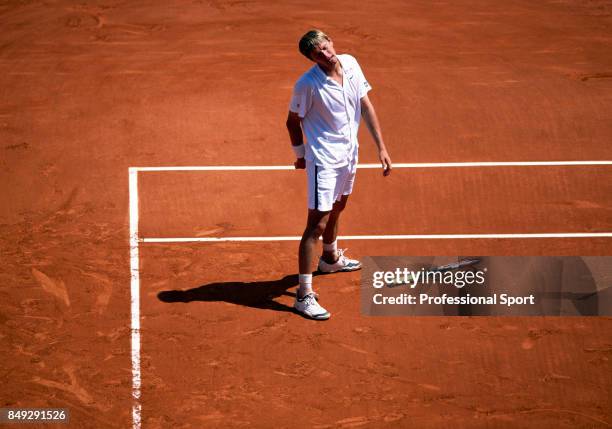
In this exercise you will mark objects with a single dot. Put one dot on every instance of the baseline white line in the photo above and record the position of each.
(135, 298)
(400, 165)
(384, 237)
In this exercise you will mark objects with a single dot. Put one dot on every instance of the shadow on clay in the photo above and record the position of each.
(260, 294)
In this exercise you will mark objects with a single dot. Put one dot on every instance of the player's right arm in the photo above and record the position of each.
(301, 101)
(294, 126)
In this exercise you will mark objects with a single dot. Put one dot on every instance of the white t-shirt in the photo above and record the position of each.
(330, 112)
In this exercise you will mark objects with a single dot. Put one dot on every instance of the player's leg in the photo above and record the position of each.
(333, 259)
(321, 183)
(315, 226)
(305, 299)
(330, 247)
(321, 196)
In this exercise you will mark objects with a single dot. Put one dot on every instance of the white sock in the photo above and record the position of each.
(305, 285)
(331, 247)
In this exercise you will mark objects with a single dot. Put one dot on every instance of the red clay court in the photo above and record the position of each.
(125, 127)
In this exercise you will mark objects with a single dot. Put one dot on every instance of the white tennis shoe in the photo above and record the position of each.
(342, 264)
(309, 307)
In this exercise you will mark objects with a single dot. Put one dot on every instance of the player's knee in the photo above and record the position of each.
(340, 204)
(315, 230)
(318, 230)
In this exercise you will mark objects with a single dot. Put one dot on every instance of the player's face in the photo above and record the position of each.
(324, 54)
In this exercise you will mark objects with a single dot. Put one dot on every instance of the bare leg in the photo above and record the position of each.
(331, 229)
(315, 226)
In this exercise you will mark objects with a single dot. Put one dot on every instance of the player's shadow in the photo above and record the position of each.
(261, 294)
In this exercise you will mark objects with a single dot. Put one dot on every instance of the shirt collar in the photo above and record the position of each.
(318, 71)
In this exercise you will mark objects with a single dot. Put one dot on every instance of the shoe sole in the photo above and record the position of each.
(325, 316)
(343, 270)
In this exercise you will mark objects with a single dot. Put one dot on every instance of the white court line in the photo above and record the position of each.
(135, 298)
(383, 237)
(401, 165)
(135, 240)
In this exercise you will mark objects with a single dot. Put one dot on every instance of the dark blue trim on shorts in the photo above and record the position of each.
(316, 191)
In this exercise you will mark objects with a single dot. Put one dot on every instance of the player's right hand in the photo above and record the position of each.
(300, 164)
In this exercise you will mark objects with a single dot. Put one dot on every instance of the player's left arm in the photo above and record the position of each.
(369, 116)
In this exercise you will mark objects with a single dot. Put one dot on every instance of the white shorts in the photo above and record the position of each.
(328, 185)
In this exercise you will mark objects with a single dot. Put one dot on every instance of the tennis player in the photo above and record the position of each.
(326, 106)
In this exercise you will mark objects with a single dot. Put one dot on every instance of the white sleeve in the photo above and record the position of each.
(363, 87)
(301, 100)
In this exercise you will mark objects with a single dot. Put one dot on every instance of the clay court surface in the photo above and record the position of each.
(90, 89)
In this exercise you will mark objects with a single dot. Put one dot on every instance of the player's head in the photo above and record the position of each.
(318, 47)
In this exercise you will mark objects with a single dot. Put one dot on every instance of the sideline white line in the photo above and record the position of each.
(384, 237)
(135, 298)
(400, 165)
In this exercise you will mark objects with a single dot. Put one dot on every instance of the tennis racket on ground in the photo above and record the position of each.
(440, 269)
(454, 266)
